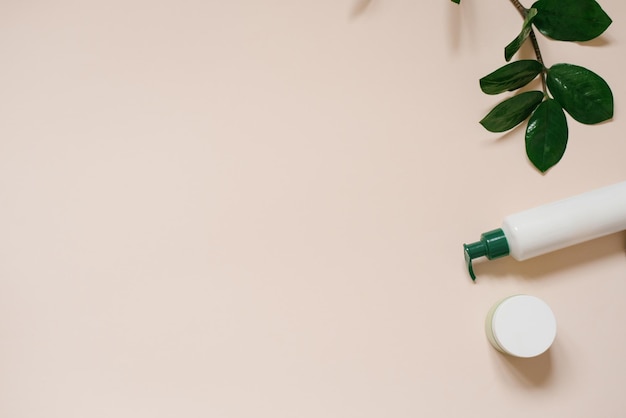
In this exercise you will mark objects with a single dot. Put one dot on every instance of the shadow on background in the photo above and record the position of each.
(600, 41)
(564, 259)
(360, 7)
(532, 372)
(462, 25)
(454, 27)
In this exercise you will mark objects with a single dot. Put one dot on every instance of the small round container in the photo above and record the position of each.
(521, 326)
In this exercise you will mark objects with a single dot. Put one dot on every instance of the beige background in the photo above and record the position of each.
(256, 209)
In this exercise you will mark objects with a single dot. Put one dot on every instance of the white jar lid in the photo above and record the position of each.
(522, 326)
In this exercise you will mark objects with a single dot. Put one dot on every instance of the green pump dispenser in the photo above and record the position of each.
(492, 244)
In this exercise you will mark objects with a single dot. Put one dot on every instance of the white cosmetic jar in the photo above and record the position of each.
(521, 326)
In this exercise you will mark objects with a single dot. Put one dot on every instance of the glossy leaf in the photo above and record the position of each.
(581, 92)
(511, 76)
(546, 135)
(516, 44)
(571, 20)
(511, 112)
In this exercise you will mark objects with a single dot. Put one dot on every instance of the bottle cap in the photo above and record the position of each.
(521, 326)
(492, 244)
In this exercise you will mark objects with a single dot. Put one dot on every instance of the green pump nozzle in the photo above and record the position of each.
(492, 244)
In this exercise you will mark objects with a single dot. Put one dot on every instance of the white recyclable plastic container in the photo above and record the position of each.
(553, 226)
(521, 326)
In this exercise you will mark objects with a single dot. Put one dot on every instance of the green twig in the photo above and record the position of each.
(533, 39)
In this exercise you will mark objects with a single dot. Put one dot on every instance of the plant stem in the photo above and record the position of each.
(533, 39)
(519, 7)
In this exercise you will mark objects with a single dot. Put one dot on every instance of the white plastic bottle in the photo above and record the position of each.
(554, 226)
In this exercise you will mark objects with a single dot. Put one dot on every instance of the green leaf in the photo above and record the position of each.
(511, 112)
(456, 1)
(581, 92)
(570, 20)
(516, 43)
(546, 135)
(511, 76)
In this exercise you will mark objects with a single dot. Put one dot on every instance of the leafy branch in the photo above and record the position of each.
(580, 92)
